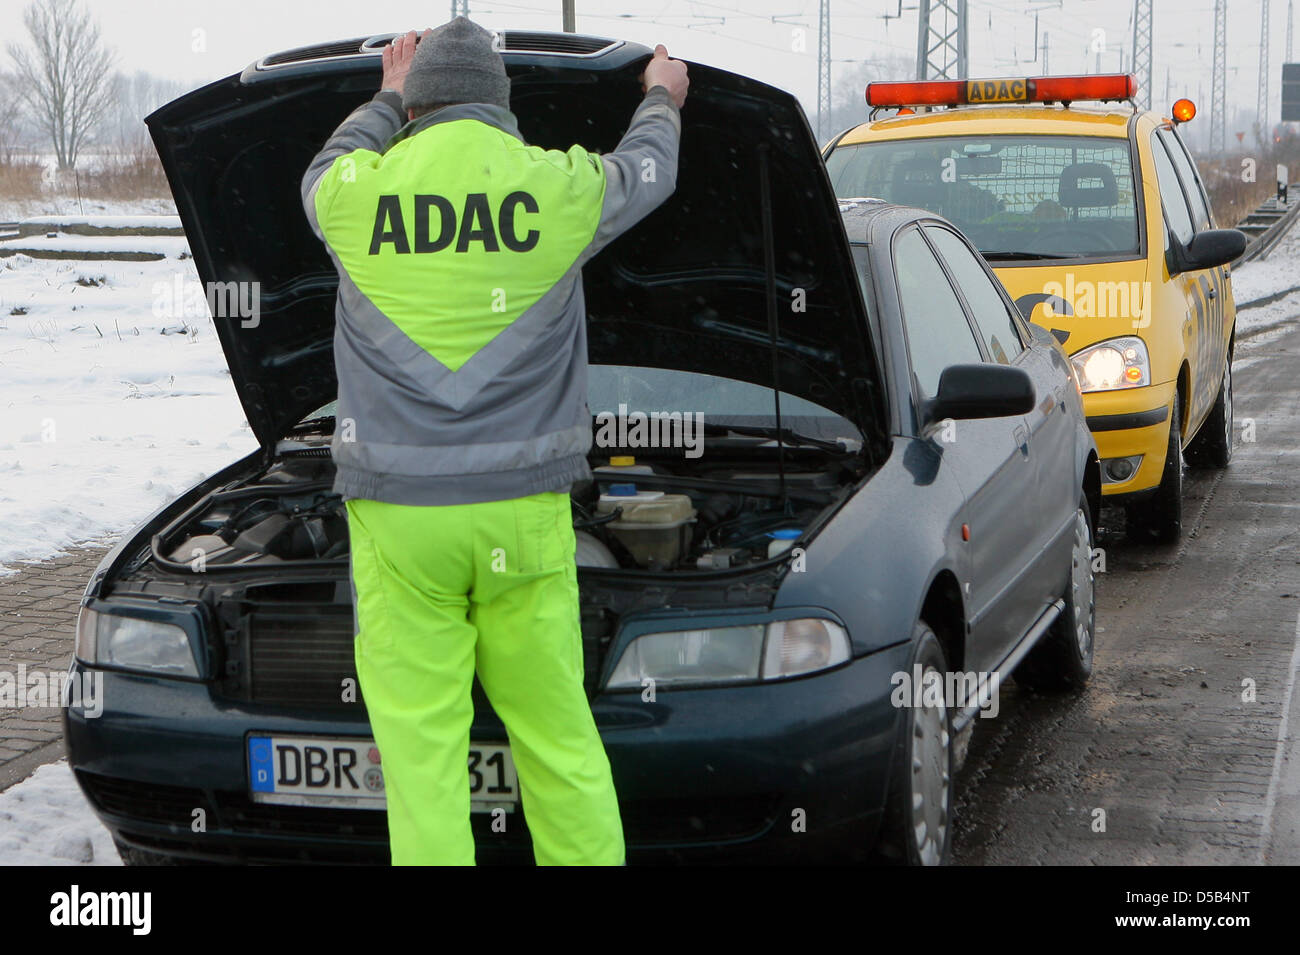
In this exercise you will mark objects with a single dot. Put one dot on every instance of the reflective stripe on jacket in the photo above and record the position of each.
(460, 328)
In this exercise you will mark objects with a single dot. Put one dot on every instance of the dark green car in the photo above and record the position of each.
(883, 477)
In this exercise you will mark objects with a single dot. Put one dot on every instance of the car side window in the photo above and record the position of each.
(1187, 173)
(1171, 193)
(938, 334)
(990, 312)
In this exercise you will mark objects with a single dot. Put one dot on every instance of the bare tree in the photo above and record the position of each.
(9, 107)
(136, 96)
(65, 74)
(848, 95)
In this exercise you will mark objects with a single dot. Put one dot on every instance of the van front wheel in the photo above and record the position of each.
(1159, 518)
(1212, 446)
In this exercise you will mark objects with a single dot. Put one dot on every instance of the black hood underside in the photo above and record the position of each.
(685, 289)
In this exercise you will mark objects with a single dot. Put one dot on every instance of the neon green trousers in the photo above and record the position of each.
(443, 592)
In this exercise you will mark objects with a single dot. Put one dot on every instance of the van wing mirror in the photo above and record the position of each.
(1207, 250)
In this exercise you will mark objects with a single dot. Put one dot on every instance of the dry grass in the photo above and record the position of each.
(136, 175)
(20, 177)
(1231, 197)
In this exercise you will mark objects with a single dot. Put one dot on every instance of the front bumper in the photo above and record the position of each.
(720, 774)
(1127, 424)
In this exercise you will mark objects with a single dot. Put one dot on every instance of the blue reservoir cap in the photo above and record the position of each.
(785, 534)
(622, 490)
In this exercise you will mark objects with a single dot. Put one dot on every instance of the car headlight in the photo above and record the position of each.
(135, 643)
(770, 651)
(1110, 365)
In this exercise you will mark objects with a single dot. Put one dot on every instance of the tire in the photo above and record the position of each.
(919, 831)
(1159, 518)
(1212, 446)
(1062, 660)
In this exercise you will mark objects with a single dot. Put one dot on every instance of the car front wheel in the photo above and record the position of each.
(918, 816)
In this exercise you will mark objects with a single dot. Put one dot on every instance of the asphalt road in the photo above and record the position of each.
(1164, 758)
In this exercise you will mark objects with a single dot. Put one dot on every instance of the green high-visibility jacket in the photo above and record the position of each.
(460, 328)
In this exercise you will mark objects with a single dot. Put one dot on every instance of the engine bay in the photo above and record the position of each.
(657, 513)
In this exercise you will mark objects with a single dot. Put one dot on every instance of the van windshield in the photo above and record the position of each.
(1014, 196)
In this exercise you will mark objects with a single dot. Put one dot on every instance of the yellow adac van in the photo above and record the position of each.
(1096, 221)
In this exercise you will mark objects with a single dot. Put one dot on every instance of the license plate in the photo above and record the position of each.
(345, 771)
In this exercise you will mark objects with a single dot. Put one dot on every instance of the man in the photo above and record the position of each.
(461, 351)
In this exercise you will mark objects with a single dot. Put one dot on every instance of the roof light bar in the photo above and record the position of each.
(1033, 89)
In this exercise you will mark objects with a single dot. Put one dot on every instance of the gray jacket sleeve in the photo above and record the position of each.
(642, 172)
(369, 126)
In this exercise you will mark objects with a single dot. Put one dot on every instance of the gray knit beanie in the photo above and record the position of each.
(456, 64)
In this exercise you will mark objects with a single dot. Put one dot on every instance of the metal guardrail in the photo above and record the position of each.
(1266, 227)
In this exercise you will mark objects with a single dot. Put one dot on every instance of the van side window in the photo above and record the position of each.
(1187, 173)
(1171, 193)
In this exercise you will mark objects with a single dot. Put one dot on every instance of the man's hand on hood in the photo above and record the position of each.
(670, 74)
(397, 59)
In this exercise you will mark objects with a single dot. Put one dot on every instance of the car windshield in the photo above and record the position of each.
(1013, 196)
(621, 390)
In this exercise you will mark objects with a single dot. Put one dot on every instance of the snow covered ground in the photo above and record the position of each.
(45, 820)
(1257, 280)
(115, 397)
(11, 209)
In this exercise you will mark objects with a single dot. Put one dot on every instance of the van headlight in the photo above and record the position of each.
(763, 651)
(134, 643)
(1110, 365)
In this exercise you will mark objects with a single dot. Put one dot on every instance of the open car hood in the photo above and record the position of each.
(685, 289)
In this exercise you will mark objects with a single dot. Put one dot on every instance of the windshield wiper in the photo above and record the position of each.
(784, 435)
(314, 425)
(1011, 254)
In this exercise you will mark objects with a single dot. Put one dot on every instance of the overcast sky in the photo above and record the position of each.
(200, 40)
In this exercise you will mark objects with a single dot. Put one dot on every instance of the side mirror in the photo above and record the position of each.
(1207, 250)
(967, 392)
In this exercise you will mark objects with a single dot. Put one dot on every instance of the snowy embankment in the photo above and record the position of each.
(12, 209)
(87, 248)
(89, 224)
(45, 820)
(1274, 276)
(115, 398)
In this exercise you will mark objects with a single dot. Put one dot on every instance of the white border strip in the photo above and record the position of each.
(1283, 735)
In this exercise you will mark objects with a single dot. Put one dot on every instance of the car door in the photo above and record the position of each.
(1048, 501)
(1210, 288)
(1201, 296)
(987, 458)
